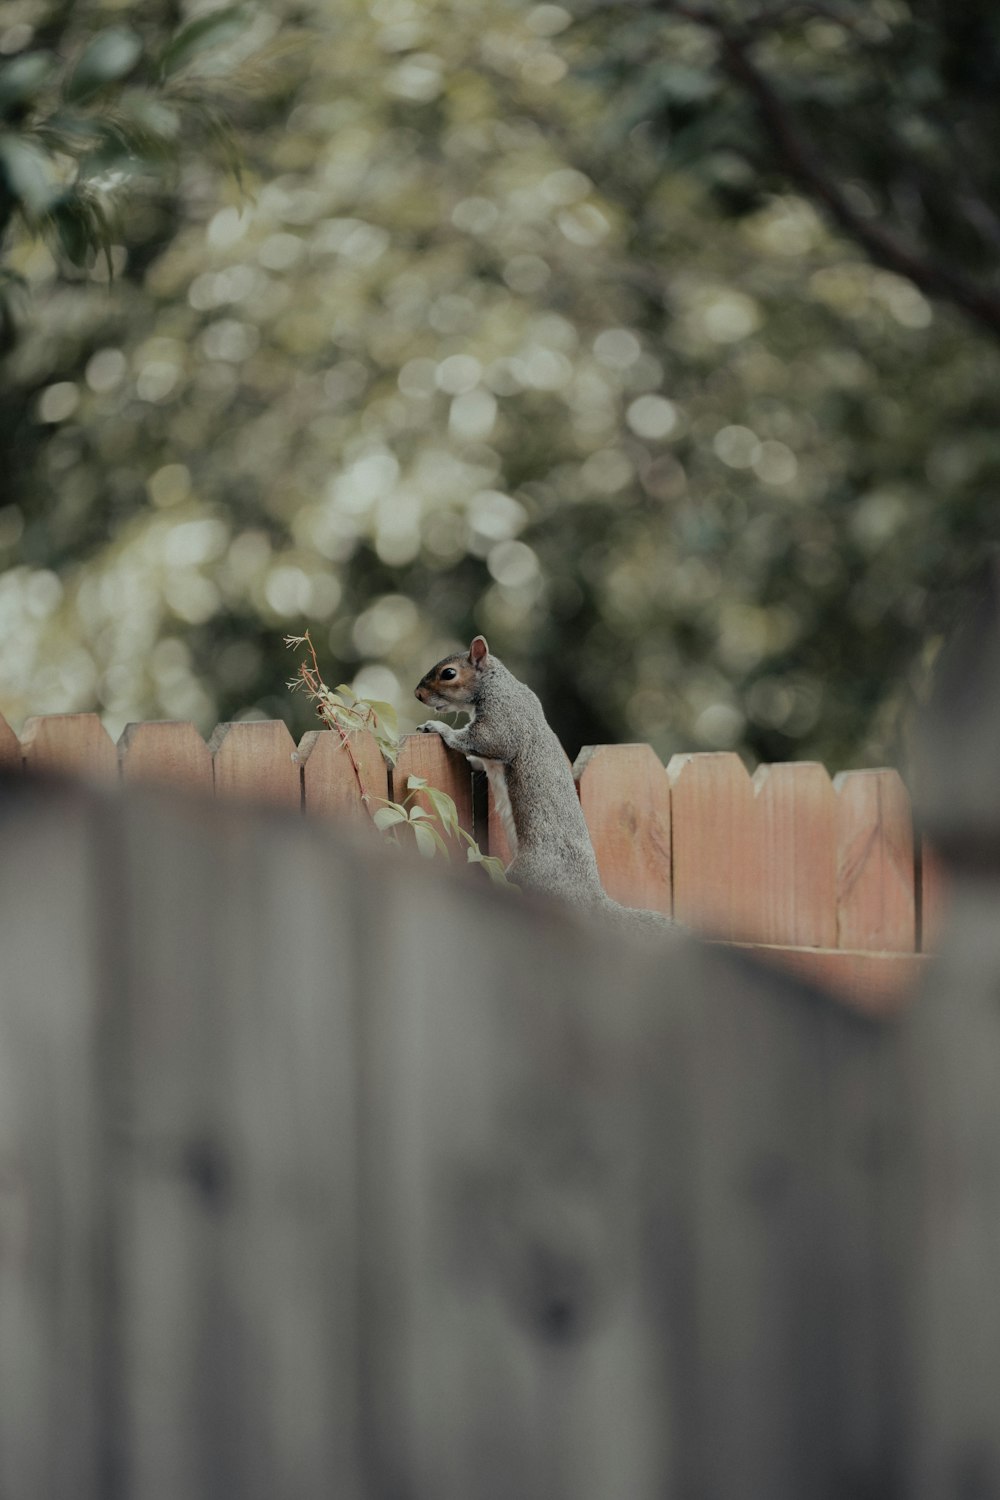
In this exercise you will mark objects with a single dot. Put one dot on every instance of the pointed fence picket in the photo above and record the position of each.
(625, 796)
(338, 776)
(256, 760)
(69, 744)
(818, 869)
(166, 753)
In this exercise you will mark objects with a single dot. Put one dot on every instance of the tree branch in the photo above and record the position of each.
(805, 168)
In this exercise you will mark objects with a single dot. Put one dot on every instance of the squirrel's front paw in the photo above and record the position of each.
(432, 726)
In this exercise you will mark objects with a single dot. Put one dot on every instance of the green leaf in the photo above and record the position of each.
(30, 175)
(494, 867)
(83, 227)
(22, 78)
(428, 842)
(387, 816)
(389, 747)
(416, 783)
(417, 813)
(111, 56)
(495, 870)
(385, 711)
(445, 808)
(216, 29)
(154, 118)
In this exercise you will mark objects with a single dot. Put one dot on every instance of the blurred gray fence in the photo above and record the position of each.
(325, 1175)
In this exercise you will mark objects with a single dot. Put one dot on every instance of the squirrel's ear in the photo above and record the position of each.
(478, 651)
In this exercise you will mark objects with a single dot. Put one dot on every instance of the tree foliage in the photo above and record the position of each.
(516, 326)
(880, 114)
(92, 107)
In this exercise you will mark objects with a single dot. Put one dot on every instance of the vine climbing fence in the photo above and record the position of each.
(825, 873)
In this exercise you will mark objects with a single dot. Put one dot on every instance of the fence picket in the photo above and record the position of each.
(69, 744)
(715, 857)
(330, 785)
(795, 811)
(751, 861)
(11, 758)
(625, 796)
(505, 1135)
(876, 908)
(58, 865)
(256, 760)
(168, 752)
(238, 1258)
(427, 755)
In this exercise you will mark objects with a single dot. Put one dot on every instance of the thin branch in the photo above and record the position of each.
(313, 680)
(804, 167)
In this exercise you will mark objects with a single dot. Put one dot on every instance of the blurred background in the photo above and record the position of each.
(659, 342)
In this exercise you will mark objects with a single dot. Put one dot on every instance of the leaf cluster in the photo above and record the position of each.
(395, 816)
(434, 832)
(81, 125)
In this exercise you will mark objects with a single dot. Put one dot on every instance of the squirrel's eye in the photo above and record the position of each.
(448, 674)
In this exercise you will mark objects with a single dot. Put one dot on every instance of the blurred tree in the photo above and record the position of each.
(472, 353)
(881, 114)
(92, 107)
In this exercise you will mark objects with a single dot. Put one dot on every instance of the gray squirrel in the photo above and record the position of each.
(509, 737)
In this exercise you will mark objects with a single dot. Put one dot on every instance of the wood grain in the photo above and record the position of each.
(625, 796)
(69, 745)
(794, 815)
(166, 753)
(427, 755)
(876, 900)
(256, 760)
(323, 1172)
(238, 1253)
(503, 1134)
(715, 852)
(55, 1117)
(330, 783)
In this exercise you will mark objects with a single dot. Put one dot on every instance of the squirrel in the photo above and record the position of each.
(509, 737)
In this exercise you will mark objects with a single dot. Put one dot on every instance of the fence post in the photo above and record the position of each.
(168, 752)
(625, 796)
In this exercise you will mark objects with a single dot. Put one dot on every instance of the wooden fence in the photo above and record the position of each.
(327, 1173)
(826, 873)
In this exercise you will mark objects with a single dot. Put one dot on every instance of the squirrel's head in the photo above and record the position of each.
(454, 682)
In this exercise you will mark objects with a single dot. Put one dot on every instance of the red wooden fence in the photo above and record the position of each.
(820, 873)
